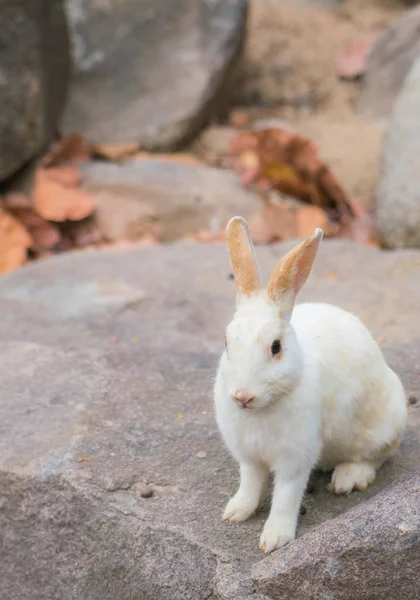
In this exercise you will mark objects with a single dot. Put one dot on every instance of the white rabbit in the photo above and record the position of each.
(299, 388)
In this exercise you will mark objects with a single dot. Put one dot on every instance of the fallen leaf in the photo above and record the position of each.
(68, 176)
(351, 63)
(56, 202)
(14, 242)
(16, 200)
(238, 118)
(71, 149)
(279, 159)
(206, 236)
(84, 458)
(309, 218)
(115, 151)
(274, 222)
(44, 235)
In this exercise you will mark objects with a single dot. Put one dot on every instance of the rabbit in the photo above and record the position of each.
(298, 388)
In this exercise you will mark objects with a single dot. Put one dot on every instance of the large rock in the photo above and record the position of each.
(398, 193)
(389, 63)
(152, 71)
(107, 366)
(34, 70)
(176, 199)
(365, 541)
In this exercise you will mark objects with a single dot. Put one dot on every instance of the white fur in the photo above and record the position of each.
(329, 401)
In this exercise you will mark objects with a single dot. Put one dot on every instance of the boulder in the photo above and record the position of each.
(388, 64)
(351, 557)
(398, 192)
(34, 71)
(107, 363)
(151, 71)
(176, 199)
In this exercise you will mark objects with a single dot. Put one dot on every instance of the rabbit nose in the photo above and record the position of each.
(244, 397)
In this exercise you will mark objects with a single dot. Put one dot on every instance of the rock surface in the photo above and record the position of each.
(34, 71)
(151, 71)
(398, 193)
(107, 366)
(388, 65)
(175, 198)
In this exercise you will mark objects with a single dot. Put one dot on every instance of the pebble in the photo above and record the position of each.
(146, 492)
(201, 454)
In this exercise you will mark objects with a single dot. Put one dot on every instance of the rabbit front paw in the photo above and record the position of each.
(238, 509)
(276, 533)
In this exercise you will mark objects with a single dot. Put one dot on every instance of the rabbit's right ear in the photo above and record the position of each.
(242, 257)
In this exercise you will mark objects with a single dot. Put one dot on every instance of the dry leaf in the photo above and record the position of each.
(274, 222)
(351, 63)
(56, 202)
(14, 243)
(275, 158)
(16, 200)
(115, 151)
(284, 218)
(309, 218)
(238, 118)
(44, 235)
(68, 176)
(205, 236)
(71, 149)
(84, 459)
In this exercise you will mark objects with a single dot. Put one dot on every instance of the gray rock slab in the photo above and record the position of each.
(108, 359)
(388, 65)
(398, 192)
(177, 198)
(151, 71)
(34, 72)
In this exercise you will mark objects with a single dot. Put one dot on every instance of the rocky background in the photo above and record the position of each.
(131, 131)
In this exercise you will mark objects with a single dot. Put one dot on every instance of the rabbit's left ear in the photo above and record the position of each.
(242, 257)
(292, 271)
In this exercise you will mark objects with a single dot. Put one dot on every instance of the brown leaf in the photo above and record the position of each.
(351, 63)
(71, 149)
(16, 200)
(275, 221)
(115, 151)
(14, 243)
(44, 235)
(276, 158)
(84, 459)
(67, 176)
(309, 218)
(283, 218)
(205, 236)
(238, 118)
(56, 202)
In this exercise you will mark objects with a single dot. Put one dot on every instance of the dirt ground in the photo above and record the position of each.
(290, 73)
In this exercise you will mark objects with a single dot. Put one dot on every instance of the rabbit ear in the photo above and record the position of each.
(242, 256)
(292, 271)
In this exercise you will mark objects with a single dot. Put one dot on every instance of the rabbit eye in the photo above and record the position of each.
(275, 347)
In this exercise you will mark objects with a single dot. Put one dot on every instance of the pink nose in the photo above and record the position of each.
(244, 397)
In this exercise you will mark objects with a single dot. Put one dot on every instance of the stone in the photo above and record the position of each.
(388, 65)
(87, 417)
(398, 191)
(151, 71)
(34, 72)
(177, 199)
(365, 541)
